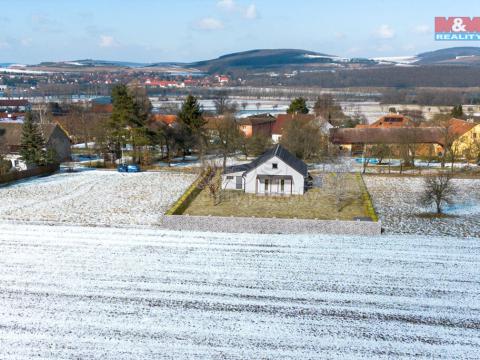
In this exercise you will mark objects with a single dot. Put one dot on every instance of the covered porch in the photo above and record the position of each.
(274, 185)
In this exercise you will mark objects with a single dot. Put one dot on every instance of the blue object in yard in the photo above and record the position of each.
(370, 160)
(133, 168)
(122, 168)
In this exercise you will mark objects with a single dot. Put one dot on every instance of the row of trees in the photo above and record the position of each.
(131, 123)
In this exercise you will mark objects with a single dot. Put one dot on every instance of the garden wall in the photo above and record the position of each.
(269, 225)
(19, 175)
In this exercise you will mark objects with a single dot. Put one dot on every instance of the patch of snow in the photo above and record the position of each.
(18, 71)
(396, 202)
(71, 292)
(405, 60)
(94, 197)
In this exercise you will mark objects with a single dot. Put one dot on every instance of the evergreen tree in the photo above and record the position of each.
(191, 123)
(191, 115)
(32, 147)
(123, 116)
(298, 106)
(457, 111)
(141, 102)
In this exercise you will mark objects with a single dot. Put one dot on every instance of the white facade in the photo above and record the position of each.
(233, 181)
(272, 177)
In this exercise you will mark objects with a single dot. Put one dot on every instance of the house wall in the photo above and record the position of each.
(229, 181)
(264, 129)
(276, 138)
(464, 146)
(247, 130)
(253, 185)
(60, 142)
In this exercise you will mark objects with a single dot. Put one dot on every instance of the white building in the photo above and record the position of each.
(276, 172)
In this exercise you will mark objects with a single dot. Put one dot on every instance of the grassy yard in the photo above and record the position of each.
(317, 203)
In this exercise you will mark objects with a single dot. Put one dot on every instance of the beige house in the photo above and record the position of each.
(468, 144)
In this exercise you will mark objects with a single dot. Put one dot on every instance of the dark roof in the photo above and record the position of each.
(12, 136)
(427, 135)
(14, 102)
(284, 119)
(278, 151)
(258, 119)
(237, 168)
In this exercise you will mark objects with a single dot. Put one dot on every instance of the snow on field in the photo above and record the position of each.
(396, 202)
(94, 197)
(71, 292)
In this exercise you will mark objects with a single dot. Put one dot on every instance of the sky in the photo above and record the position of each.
(32, 31)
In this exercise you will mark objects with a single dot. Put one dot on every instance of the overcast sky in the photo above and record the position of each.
(185, 30)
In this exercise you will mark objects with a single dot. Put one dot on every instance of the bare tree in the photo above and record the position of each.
(223, 105)
(338, 182)
(438, 190)
(226, 136)
(305, 139)
(212, 182)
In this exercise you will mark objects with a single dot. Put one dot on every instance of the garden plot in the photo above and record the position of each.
(396, 202)
(94, 197)
(117, 293)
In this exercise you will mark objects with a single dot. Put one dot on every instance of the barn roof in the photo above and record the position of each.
(12, 133)
(258, 119)
(284, 119)
(13, 102)
(426, 135)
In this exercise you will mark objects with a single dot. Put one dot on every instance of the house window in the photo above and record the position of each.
(282, 185)
(266, 185)
(229, 177)
(274, 166)
(239, 183)
(474, 135)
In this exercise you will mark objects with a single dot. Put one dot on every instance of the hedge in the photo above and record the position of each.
(25, 174)
(186, 199)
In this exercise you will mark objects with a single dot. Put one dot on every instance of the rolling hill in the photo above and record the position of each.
(451, 56)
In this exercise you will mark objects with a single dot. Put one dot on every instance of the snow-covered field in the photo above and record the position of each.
(71, 292)
(94, 197)
(396, 202)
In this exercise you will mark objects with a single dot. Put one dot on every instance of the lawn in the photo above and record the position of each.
(317, 203)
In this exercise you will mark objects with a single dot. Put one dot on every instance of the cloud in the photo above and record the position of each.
(340, 35)
(421, 29)
(209, 23)
(248, 12)
(251, 12)
(228, 5)
(107, 41)
(385, 32)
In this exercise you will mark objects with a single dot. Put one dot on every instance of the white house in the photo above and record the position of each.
(276, 172)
